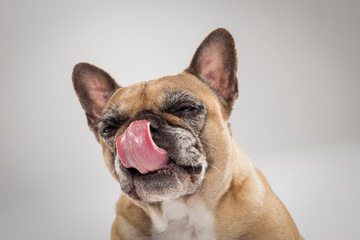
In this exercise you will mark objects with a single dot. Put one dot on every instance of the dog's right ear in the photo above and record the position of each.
(215, 63)
(94, 87)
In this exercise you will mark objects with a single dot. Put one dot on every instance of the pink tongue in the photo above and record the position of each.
(137, 149)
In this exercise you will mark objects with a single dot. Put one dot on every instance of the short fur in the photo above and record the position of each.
(210, 189)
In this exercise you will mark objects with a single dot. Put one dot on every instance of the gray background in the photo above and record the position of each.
(297, 116)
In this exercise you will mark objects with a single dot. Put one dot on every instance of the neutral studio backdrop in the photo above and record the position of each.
(297, 116)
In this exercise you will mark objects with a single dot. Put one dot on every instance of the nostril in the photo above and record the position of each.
(154, 126)
(155, 121)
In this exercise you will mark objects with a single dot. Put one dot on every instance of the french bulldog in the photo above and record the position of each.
(168, 143)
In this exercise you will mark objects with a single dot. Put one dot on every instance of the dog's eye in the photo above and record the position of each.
(186, 109)
(107, 129)
(110, 123)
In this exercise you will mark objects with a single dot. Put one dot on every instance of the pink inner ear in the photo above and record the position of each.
(213, 71)
(99, 93)
(215, 62)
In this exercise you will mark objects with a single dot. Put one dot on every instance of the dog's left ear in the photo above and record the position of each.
(215, 62)
(94, 87)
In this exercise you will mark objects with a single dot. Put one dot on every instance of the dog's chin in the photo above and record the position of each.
(169, 183)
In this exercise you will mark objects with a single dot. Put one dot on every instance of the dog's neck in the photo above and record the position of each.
(193, 217)
(211, 191)
(183, 219)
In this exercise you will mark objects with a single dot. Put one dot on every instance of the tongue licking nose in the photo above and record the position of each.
(137, 149)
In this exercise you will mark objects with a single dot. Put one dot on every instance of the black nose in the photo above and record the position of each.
(155, 121)
(157, 128)
(154, 124)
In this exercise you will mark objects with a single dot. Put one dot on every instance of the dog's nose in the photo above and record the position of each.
(154, 124)
(155, 121)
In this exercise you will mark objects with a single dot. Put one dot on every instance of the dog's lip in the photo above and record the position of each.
(172, 172)
(169, 167)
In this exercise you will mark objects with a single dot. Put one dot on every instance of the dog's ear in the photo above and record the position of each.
(93, 87)
(215, 62)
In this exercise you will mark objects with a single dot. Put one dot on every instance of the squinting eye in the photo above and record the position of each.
(186, 109)
(108, 129)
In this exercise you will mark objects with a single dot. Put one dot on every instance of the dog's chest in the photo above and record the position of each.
(181, 221)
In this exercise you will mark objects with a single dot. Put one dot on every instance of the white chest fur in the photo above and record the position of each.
(180, 221)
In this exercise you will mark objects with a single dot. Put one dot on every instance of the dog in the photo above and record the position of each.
(168, 143)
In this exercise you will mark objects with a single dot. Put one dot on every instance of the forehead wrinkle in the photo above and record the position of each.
(137, 98)
(110, 112)
(151, 97)
(179, 96)
(143, 100)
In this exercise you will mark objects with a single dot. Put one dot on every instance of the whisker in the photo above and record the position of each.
(113, 105)
(217, 169)
(213, 146)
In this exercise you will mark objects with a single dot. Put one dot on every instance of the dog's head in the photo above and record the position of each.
(161, 138)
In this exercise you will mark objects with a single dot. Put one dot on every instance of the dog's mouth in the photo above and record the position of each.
(167, 168)
(168, 183)
(140, 154)
(153, 173)
(137, 149)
